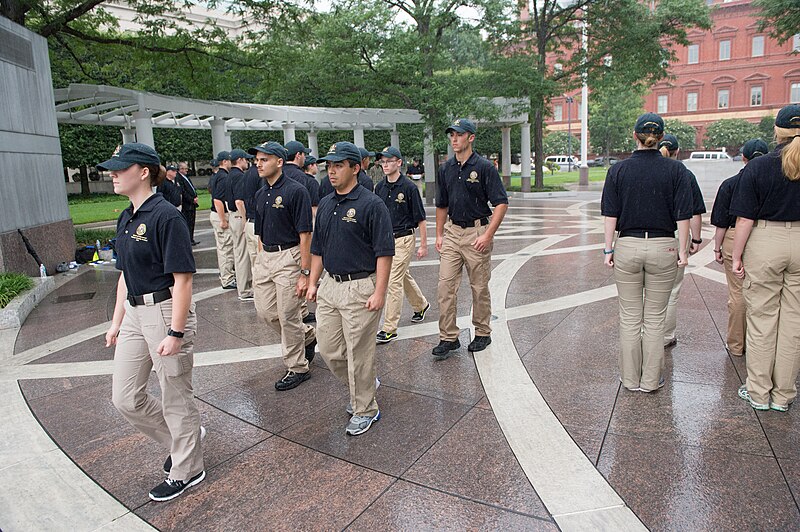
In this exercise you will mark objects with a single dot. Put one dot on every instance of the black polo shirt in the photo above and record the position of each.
(466, 189)
(720, 212)
(211, 184)
(219, 192)
(293, 171)
(647, 192)
(233, 182)
(245, 190)
(152, 244)
(352, 231)
(764, 192)
(403, 201)
(171, 192)
(698, 204)
(283, 211)
(326, 188)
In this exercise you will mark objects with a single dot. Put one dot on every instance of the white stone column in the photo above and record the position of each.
(217, 135)
(506, 156)
(128, 135)
(288, 133)
(525, 149)
(228, 145)
(395, 142)
(358, 137)
(312, 143)
(144, 128)
(429, 161)
(583, 173)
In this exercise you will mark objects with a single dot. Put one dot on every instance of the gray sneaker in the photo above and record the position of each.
(744, 394)
(349, 408)
(361, 424)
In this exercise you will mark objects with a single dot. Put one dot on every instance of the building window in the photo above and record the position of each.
(558, 113)
(723, 99)
(691, 101)
(694, 54)
(796, 42)
(662, 104)
(724, 50)
(758, 46)
(755, 96)
(794, 93)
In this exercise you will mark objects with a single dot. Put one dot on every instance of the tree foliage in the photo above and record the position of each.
(730, 133)
(613, 109)
(558, 143)
(780, 17)
(685, 133)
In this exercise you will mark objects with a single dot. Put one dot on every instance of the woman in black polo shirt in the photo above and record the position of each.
(766, 254)
(645, 197)
(154, 321)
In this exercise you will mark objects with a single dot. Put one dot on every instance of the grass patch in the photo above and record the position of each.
(106, 207)
(88, 237)
(11, 285)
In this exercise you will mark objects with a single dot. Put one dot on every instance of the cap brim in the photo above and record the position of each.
(253, 151)
(333, 158)
(115, 164)
(457, 129)
(307, 151)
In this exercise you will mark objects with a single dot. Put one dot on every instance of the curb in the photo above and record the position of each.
(535, 195)
(13, 316)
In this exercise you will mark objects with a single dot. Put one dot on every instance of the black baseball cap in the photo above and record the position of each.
(789, 117)
(670, 141)
(293, 147)
(366, 153)
(224, 156)
(391, 151)
(310, 159)
(214, 162)
(753, 148)
(649, 123)
(171, 167)
(129, 154)
(240, 154)
(462, 125)
(342, 151)
(270, 148)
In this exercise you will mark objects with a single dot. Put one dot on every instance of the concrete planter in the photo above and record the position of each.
(13, 316)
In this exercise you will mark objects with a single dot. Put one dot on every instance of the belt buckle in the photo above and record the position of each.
(149, 300)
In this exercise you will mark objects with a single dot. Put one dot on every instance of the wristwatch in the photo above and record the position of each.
(176, 334)
(697, 240)
(305, 272)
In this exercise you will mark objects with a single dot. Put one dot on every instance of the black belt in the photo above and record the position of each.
(406, 232)
(349, 276)
(158, 297)
(464, 225)
(647, 234)
(273, 249)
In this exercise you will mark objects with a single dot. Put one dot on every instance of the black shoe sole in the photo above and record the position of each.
(421, 318)
(386, 341)
(444, 354)
(283, 387)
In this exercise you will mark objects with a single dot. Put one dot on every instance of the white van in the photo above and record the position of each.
(563, 161)
(709, 156)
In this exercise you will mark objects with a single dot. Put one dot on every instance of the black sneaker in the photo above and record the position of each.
(310, 350)
(195, 242)
(479, 343)
(231, 286)
(310, 318)
(291, 380)
(169, 489)
(384, 338)
(445, 347)
(419, 316)
(168, 461)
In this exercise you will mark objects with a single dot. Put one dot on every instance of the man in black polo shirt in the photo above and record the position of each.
(244, 195)
(325, 186)
(244, 275)
(353, 240)
(170, 189)
(294, 170)
(188, 198)
(219, 221)
(405, 207)
(466, 184)
(283, 223)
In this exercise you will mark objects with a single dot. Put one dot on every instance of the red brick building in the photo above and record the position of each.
(731, 71)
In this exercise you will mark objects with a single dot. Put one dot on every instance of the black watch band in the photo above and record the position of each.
(697, 241)
(305, 272)
(176, 334)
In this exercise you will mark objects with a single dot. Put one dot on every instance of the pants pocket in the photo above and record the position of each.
(177, 364)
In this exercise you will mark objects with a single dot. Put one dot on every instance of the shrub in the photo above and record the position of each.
(11, 285)
(88, 237)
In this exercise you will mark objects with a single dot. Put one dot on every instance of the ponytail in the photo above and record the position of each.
(790, 154)
(664, 151)
(649, 140)
(157, 174)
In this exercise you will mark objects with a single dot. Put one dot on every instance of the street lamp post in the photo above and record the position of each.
(569, 101)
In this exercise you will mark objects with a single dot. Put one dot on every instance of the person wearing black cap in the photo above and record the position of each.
(416, 172)
(311, 169)
(154, 324)
(669, 148)
(645, 198)
(405, 206)
(294, 170)
(218, 185)
(466, 184)
(325, 186)
(244, 195)
(170, 189)
(353, 240)
(237, 221)
(766, 255)
(723, 249)
(188, 198)
(283, 223)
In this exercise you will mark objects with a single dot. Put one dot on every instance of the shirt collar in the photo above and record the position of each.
(355, 193)
(396, 183)
(148, 204)
(236, 170)
(279, 183)
(469, 162)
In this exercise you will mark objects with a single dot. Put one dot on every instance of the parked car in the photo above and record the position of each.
(601, 161)
(709, 156)
(563, 161)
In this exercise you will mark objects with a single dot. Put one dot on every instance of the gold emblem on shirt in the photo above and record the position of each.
(401, 198)
(473, 177)
(278, 203)
(350, 216)
(139, 235)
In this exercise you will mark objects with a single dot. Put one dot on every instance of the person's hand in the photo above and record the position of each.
(438, 244)
(224, 224)
(694, 248)
(422, 251)
(301, 287)
(482, 243)
(311, 293)
(683, 259)
(195, 201)
(169, 346)
(738, 268)
(609, 260)
(718, 256)
(111, 335)
(375, 302)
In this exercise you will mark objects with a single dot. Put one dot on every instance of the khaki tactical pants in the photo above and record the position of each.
(737, 310)
(644, 270)
(457, 252)
(173, 421)
(276, 303)
(346, 336)
(400, 282)
(671, 322)
(771, 291)
(253, 243)
(244, 272)
(224, 242)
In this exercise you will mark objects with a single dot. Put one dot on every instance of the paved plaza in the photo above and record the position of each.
(535, 433)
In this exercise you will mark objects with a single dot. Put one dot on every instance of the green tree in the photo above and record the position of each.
(766, 129)
(557, 143)
(613, 110)
(686, 133)
(780, 17)
(730, 133)
(83, 147)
